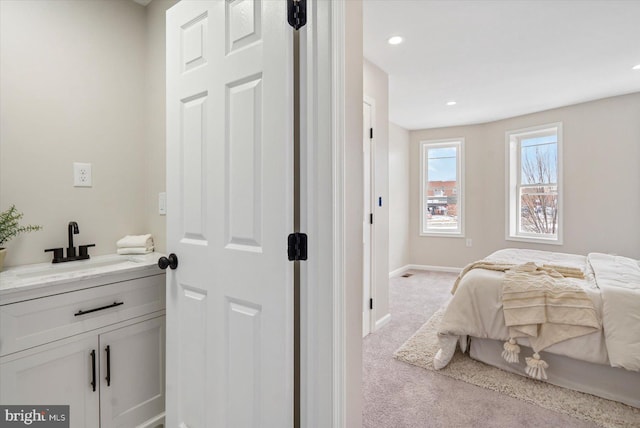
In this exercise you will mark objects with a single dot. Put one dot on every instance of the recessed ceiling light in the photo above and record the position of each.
(451, 103)
(395, 40)
(636, 67)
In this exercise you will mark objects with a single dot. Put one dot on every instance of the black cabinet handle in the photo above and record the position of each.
(108, 378)
(93, 369)
(113, 305)
(165, 262)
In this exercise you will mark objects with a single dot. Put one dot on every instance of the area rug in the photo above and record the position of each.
(423, 345)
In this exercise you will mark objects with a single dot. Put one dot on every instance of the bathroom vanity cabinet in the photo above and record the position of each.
(97, 346)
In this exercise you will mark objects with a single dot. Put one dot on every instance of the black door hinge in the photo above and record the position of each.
(370, 303)
(297, 13)
(371, 133)
(371, 218)
(297, 246)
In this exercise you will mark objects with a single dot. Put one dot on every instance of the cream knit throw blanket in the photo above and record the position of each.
(544, 307)
(566, 271)
(541, 305)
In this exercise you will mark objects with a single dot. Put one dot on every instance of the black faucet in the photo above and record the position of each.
(83, 253)
(73, 230)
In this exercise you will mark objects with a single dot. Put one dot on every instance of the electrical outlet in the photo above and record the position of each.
(81, 174)
(469, 242)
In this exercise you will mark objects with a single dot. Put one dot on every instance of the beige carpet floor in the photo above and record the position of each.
(422, 346)
(400, 395)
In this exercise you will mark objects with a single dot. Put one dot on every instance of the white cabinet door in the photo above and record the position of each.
(55, 374)
(132, 374)
(229, 212)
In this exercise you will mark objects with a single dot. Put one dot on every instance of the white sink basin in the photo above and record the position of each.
(42, 276)
(76, 266)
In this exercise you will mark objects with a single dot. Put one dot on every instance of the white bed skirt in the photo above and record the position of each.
(607, 382)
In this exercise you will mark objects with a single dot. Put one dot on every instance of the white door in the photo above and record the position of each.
(230, 209)
(367, 220)
(132, 374)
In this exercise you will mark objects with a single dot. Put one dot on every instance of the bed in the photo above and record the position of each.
(591, 326)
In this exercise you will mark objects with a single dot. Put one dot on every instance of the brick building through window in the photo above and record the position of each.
(442, 198)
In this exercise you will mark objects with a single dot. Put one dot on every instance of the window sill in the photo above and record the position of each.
(442, 234)
(546, 241)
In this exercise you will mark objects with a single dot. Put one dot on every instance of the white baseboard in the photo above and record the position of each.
(382, 321)
(398, 271)
(435, 268)
(405, 268)
(153, 422)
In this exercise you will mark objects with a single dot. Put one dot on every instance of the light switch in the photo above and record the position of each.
(162, 203)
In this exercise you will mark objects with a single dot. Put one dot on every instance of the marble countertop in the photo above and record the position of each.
(20, 279)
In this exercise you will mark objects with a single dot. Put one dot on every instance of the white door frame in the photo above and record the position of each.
(321, 217)
(369, 289)
(330, 378)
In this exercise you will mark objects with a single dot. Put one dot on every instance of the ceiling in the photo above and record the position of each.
(500, 59)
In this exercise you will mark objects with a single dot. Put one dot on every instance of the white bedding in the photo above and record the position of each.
(476, 307)
(619, 281)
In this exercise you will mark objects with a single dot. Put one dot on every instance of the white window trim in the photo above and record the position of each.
(461, 193)
(512, 175)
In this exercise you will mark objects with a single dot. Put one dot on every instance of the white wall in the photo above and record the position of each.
(82, 81)
(376, 88)
(601, 143)
(155, 99)
(399, 179)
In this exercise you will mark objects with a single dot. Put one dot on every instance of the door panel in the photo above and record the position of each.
(192, 357)
(230, 209)
(244, 362)
(243, 190)
(244, 22)
(194, 186)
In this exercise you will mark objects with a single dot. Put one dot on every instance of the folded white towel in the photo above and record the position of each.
(135, 241)
(135, 250)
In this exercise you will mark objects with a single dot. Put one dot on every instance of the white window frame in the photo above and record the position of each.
(513, 171)
(424, 146)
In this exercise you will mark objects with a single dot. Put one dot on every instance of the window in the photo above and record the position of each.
(442, 191)
(534, 200)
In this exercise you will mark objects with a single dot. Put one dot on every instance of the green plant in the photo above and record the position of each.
(10, 225)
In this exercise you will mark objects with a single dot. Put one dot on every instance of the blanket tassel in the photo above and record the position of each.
(535, 367)
(511, 351)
